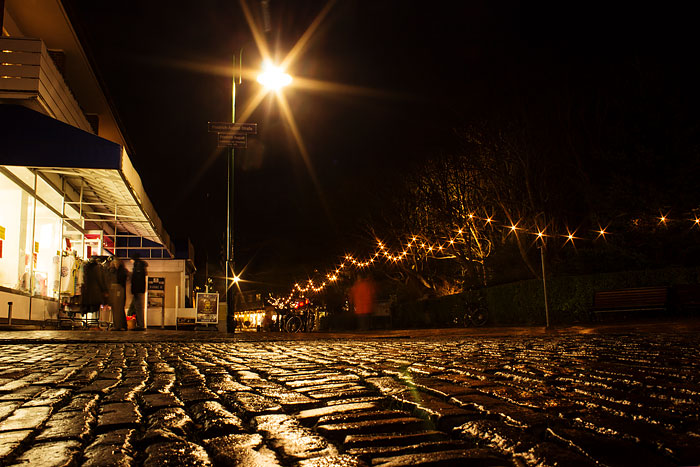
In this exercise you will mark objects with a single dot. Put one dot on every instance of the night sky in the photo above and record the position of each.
(416, 71)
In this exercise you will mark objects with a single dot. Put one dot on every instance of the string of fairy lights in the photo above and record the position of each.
(424, 247)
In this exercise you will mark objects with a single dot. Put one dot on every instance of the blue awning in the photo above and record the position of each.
(99, 169)
(32, 139)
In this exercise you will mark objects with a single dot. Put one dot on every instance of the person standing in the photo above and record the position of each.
(138, 288)
(362, 297)
(117, 292)
(94, 289)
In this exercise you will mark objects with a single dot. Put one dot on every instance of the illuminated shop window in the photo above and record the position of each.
(47, 251)
(16, 217)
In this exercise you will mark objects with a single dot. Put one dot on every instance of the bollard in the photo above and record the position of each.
(9, 313)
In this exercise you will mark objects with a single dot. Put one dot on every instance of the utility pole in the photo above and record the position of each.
(544, 286)
(2, 15)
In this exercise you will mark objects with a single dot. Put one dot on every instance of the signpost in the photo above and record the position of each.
(207, 308)
(229, 135)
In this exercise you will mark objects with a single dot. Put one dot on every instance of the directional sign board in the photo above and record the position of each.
(233, 128)
(232, 140)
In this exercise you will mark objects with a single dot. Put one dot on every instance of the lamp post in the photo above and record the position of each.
(272, 78)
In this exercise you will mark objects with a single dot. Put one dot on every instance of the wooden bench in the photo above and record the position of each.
(638, 299)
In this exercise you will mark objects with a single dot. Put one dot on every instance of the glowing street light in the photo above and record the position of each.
(273, 77)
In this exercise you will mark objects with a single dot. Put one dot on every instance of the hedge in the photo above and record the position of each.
(521, 303)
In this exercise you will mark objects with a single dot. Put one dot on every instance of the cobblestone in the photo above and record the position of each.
(544, 400)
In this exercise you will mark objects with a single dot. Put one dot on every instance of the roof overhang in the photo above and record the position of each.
(97, 168)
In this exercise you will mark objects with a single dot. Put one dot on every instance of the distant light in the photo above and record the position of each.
(236, 279)
(273, 77)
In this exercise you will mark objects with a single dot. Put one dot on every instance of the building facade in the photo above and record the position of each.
(68, 189)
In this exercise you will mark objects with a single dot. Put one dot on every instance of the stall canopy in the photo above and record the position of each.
(99, 170)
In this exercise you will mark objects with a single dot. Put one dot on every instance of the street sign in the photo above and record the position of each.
(233, 128)
(234, 140)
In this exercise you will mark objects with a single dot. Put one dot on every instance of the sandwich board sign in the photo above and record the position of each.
(207, 308)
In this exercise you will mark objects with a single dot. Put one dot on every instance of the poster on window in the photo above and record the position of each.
(156, 292)
(207, 308)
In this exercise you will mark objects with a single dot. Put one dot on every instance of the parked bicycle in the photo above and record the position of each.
(470, 314)
(300, 317)
(298, 322)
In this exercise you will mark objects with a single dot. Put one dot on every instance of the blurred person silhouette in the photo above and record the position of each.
(117, 292)
(138, 287)
(362, 297)
(95, 290)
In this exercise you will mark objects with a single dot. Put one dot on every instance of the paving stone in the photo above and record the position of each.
(23, 393)
(100, 385)
(311, 416)
(14, 385)
(423, 369)
(7, 407)
(465, 457)
(548, 453)
(327, 387)
(390, 425)
(290, 439)
(339, 394)
(176, 454)
(608, 450)
(215, 420)
(393, 439)
(81, 402)
(290, 401)
(251, 404)
(341, 460)
(221, 386)
(105, 455)
(50, 397)
(50, 454)
(118, 415)
(191, 394)
(122, 438)
(356, 400)
(10, 441)
(443, 415)
(162, 382)
(67, 425)
(498, 435)
(169, 421)
(440, 388)
(388, 385)
(369, 453)
(25, 418)
(244, 450)
(157, 401)
(360, 416)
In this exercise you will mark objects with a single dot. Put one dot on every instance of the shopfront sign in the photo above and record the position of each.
(207, 308)
(2, 232)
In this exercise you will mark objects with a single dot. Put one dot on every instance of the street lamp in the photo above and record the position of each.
(272, 77)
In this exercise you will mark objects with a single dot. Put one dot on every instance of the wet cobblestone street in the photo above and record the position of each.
(489, 400)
